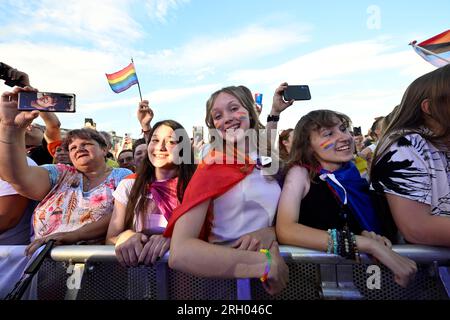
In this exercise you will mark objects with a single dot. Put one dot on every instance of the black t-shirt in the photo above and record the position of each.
(320, 209)
(40, 154)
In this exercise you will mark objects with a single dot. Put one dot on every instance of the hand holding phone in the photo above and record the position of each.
(298, 92)
(197, 133)
(357, 131)
(13, 77)
(46, 101)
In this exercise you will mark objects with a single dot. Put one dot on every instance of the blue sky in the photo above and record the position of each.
(354, 55)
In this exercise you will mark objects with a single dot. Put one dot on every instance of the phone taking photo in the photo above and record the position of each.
(197, 133)
(46, 101)
(357, 131)
(299, 92)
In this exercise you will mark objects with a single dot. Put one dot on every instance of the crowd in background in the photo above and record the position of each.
(223, 205)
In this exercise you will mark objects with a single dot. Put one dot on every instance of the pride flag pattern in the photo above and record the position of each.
(121, 80)
(439, 45)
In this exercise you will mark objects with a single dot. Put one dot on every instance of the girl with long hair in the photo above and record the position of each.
(144, 201)
(223, 228)
(411, 167)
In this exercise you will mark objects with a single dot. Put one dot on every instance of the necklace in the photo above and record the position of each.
(87, 181)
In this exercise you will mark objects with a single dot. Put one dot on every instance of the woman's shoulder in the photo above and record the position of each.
(298, 171)
(298, 176)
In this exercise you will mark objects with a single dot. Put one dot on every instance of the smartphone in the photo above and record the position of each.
(357, 131)
(46, 101)
(300, 92)
(197, 133)
(89, 123)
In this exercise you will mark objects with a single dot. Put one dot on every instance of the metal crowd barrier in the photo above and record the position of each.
(92, 272)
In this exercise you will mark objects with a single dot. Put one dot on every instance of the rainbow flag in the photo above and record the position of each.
(123, 79)
(435, 50)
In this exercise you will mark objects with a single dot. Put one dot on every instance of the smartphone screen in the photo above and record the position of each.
(300, 92)
(197, 133)
(46, 101)
(357, 131)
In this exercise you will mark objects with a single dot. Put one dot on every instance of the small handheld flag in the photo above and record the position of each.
(435, 50)
(123, 79)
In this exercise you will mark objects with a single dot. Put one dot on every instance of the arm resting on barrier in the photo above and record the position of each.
(417, 225)
(90, 231)
(289, 231)
(195, 256)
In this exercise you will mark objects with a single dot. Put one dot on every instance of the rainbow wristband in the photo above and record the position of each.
(269, 263)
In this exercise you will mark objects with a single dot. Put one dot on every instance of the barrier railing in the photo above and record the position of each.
(92, 272)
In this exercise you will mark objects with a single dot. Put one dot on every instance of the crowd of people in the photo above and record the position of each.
(223, 206)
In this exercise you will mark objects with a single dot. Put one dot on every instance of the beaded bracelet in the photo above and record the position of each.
(335, 241)
(269, 263)
(330, 242)
(355, 249)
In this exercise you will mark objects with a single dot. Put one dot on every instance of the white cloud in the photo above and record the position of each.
(355, 68)
(159, 9)
(205, 55)
(331, 63)
(105, 23)
(61, 68)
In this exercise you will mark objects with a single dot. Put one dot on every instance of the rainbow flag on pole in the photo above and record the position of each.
(435, 50)
(123, 79)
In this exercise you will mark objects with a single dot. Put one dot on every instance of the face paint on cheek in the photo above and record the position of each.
(327, 145)
(242, 115)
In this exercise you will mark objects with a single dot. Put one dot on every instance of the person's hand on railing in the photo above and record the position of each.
(403, 268)
(254, 241)
(278, 276)
(155, 248)
(129, 250)
(60, 238)
(382, 240)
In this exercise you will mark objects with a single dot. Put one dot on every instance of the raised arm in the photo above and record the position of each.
(417, 225)
(52, 127)
(13, 163)
(278, 105)
(192, 255)
(145, 117)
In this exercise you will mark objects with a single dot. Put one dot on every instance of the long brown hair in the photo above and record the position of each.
(408, 117)
(146, 173)
(283, 152)
(301, 152)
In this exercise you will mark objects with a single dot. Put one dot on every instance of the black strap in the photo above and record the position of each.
(22, 285)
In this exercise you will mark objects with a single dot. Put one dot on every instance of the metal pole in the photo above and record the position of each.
(139, 86)
(429, 52)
